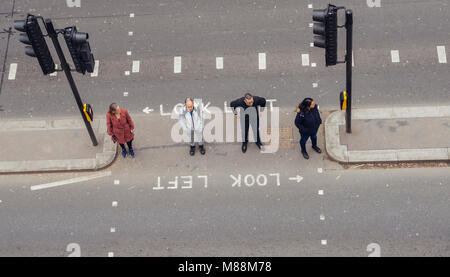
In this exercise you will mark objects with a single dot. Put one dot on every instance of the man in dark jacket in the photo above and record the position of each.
(249, 102)
(308, 122)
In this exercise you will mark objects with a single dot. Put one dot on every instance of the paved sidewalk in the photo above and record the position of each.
(390, 135)
(53, 145)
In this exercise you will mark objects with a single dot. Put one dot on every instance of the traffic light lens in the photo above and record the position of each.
(319, 29)
(24, 39)
(319, 15)
(80, 37)
(30, 52)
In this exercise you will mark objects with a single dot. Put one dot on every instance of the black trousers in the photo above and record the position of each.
(130, 145)
(247, 126)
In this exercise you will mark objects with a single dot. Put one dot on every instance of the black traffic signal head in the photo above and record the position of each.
(79, 49)
(37, 47)
(325, 31)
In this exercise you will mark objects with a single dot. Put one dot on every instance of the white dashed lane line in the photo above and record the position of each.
(323, 242)
(114, 204)
(136, 66)
(113, 230)
(305, 59)
(12, 71)
(262, 61)
(395, 56)
(116, 182)
(177, 64)
(441, 54)
(131, 15)
(219, 62)
(110, 254)
(130, 34)
(96, 66)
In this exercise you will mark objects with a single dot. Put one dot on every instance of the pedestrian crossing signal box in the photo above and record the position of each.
(88, 112)
(343, 100)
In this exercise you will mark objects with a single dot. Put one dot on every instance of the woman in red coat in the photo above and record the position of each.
(120, 128)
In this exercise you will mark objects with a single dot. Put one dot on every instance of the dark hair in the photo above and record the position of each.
(112, 108)
(304, 105)
(248, 96)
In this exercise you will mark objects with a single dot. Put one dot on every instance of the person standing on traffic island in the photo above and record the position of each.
(192, 120)
(249, 102)
(308, 122)
(120, 128)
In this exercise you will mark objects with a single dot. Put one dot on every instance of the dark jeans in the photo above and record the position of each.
(247, 126)
(130, 145)
(304, 138)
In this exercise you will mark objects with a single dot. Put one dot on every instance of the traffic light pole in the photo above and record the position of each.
(349, 64)
(54, 36)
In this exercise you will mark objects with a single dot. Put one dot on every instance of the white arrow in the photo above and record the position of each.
(147, 110)
(298, 178)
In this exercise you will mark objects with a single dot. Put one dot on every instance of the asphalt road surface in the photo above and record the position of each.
(331, 212)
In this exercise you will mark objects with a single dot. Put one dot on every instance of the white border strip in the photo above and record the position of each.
(71, 181)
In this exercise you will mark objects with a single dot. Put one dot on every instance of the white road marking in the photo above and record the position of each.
(315, 85)
(128, 53)
(441, 54)
(71, 181)
(131, 14)
(323, 242)
(395, 56)
(177, 64)
(353, 60)
(1, 201)
(136, 66)
(319, 170)
(125, 94)
(127, 73)
(311, 25)
(113, 230)
(96, 66)
(73, 3)
(311, 44)
(310, 6)
(54, 74)
(114, 203)
(313, 64)
(147, 110)
(219, 62)
(262, 61)
(116, 182)
(305, 59)
(322, 217)
(12, 71)
(162, 112)
(320, 192)
(130, 34)
(110, 254)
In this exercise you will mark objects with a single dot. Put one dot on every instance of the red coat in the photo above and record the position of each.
(120, 128)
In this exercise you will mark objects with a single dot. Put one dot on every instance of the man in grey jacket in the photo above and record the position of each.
(192, 121)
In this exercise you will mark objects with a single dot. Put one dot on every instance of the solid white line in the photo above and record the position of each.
(96, 65)
(177, 64)
(353, 60)
(12, 71)
(219, 62)
(262, 61)
(71, 181)
(441, 54)
(395, 56)
(305, 59)
(136, 65)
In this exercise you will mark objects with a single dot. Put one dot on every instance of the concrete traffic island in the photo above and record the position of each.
(45, 145)
(397, 134)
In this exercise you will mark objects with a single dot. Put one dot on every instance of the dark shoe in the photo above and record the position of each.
(202, 150)
(124, 153)
(259, 144)
(244, 147)
(192, 151)
(305, 155)
(132, 153)
(318, 150)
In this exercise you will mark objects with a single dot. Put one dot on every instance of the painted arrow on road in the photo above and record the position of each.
(147, 110)
(298, 178)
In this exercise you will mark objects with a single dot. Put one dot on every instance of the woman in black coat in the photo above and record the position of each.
(308, 122)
